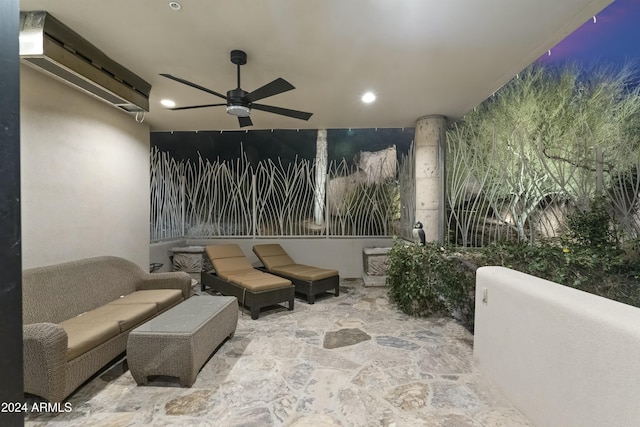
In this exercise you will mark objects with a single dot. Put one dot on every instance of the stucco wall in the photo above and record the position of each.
(344, 255)
(562, 356)
(85, 176)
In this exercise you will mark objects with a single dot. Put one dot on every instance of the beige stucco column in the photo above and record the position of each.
(430, 147)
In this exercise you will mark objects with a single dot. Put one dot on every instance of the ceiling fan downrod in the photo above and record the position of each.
(239, 58)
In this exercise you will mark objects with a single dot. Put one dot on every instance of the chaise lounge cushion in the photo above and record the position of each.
(230, 264)
(276, 260)
(234, 275)
(305, 272)
(308, 280)
(259, 282)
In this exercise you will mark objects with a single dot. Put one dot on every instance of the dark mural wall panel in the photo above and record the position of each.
(264, 183)
(286, 145)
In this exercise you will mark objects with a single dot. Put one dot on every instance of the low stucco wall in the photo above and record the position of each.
(562, 356)
(342, 254)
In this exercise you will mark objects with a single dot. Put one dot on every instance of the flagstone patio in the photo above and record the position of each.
(352, 360)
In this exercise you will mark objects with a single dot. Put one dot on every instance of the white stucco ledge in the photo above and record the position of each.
(563, 357)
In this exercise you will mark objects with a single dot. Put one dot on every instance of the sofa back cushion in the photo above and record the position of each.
(62, 291)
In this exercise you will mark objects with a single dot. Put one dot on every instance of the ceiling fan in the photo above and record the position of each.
(239, 102)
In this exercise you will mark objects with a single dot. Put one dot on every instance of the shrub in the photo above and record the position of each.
(434, 280)
(586, 257)
(429, 280)
(593, 226)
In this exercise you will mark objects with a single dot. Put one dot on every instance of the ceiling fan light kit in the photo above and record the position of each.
(238, 110)
(240, 102)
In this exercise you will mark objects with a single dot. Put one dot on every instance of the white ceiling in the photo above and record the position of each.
(420, 57)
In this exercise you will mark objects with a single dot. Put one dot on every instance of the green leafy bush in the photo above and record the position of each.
(593, 226)
(604, 271)
(589, 256)
(434, 280)
(429, 280)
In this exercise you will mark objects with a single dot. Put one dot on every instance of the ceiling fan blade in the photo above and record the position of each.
(283, 111)
(277, 86)
(245, 121)
(193, 85)
(195, 106)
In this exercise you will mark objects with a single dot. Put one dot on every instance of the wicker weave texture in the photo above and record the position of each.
(52, 294)
(183, 351)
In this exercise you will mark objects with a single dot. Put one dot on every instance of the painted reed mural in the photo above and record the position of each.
(236, 197)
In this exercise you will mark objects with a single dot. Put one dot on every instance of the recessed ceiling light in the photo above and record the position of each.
(368, 97)
(175, 5)
(168, 103)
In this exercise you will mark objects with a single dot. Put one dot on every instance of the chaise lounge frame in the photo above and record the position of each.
(253, 299)
(307, 287)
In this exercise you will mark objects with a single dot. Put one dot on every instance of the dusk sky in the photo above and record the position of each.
(613, 38)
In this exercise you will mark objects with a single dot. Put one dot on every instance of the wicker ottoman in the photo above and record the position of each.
(178, 342)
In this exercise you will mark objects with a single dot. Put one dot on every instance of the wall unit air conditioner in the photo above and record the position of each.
(53, 48)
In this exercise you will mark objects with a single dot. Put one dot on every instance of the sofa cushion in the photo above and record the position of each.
(84, 335)
(162, 298)
(58, 292)
(127, 315)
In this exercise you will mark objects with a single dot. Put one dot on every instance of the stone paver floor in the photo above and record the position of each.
(353, 360)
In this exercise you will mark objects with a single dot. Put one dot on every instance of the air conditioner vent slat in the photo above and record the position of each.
(51, 47)
(73, 79)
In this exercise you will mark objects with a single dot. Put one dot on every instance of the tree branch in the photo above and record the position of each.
(609, 166)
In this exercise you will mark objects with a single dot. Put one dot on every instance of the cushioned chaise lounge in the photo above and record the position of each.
(234, 275)
(309, 281)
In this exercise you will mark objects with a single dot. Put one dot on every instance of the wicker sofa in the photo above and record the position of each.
(77, 317)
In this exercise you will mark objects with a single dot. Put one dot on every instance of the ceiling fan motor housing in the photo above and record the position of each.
(237, 96)
(237, 105)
